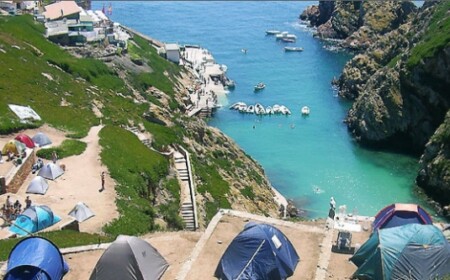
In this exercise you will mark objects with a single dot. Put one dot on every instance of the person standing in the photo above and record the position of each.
(332, 203)
(27, 202)
(54, 156)
(102, 176)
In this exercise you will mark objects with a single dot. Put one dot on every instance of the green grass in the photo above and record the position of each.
(67, 148)
(163, 135)
(214, 184)
(62, 239)
(138, 171)
(156, 78)
(436, 38)
(248, 192)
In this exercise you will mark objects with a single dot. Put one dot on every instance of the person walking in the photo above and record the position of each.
(102, 176)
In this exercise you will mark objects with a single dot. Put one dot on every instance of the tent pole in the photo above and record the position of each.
(251, 259)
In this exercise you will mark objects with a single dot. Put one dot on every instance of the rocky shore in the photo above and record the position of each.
(399, 80)
(358, 23)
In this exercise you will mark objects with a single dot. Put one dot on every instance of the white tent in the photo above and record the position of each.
(81, 212)
(50, 171)
(38, 185)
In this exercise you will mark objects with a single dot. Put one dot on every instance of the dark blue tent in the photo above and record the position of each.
(35, 258)
(400, 214)
(260, 251)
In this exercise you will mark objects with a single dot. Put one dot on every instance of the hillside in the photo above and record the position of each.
(400, 87)
(72, 93)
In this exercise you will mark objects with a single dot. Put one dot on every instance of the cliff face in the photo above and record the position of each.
(359, 24)
(401, 88)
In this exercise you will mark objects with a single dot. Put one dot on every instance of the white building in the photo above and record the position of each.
(172, 52)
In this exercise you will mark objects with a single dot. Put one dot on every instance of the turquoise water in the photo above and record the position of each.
(299, 154)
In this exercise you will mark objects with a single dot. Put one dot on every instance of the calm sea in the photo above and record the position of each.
(308, 159)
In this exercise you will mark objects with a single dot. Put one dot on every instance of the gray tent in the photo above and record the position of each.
(129, 257)
(81, 212)
(50, 171)
(38, 185)
(41, 139)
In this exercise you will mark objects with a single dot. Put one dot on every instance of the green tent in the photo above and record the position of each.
(412, 251)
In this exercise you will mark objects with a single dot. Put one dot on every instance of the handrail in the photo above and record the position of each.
(191, 185)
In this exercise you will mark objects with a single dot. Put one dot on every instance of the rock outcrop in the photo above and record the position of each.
(358, 24)
(402, 99)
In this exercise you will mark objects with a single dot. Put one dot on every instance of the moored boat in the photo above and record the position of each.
(293, 49)
(286, 35)
(284, 110)
(305, 110)
(250, 109)
(288, 40)
(272, 32)
(259, 86)
(236, 105)
(259, 109)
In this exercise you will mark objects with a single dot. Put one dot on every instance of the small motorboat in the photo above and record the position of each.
(259, 109)
(276, 109)
(236, 105)
(305, 110)
(272, 32)
(288, 40)
(242, 108)
(269, 110)
(293, 49)
(259, 86)
(250, 109)
(230, 84)
(284, 110)
(286, 35)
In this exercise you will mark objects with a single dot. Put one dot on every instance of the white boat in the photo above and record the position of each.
(242, 108)
(236, 105)
(259, 109)
(305, 110)
(269, 110)
(272, 32)
(259, 86)
(284, 110)
(276, 109)
(250, 109)
(285, 34)
(293, 49)
(288, 40)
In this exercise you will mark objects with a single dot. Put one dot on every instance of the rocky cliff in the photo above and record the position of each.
(358, 23)
(400, 85)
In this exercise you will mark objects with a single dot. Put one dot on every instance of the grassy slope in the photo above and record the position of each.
(21, 82)
(436, 37)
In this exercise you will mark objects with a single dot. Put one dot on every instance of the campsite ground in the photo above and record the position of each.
(191, 255)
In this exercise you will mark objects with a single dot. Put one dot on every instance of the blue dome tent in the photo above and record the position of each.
(34, 219)
(412, 251)
(260, 251)
(399, 214)
(35, 258)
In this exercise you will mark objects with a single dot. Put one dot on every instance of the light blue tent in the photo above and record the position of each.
(34, 219)
(35, 258)
(411, 251)
(260, 251)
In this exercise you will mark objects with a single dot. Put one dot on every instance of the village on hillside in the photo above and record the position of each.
(77, 193)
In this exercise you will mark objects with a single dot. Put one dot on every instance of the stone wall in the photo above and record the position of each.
(20, 173)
